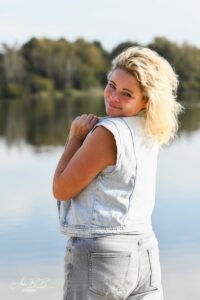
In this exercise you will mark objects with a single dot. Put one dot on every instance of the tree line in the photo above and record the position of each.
(59, 67)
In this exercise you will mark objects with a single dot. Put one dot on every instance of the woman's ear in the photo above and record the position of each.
(145, 101)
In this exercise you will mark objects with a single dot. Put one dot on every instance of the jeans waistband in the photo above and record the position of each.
(134, 240)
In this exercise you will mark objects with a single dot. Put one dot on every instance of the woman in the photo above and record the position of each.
(105, 181)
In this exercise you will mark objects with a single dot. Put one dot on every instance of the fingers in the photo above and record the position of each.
(92, 119)
(88, 119)
(82, 125)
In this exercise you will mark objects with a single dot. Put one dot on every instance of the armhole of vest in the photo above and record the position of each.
(111, 126)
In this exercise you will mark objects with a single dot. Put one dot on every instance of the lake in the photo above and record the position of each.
(32, 249)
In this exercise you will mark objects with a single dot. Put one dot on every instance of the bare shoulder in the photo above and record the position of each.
(102, 137)
(100, 144)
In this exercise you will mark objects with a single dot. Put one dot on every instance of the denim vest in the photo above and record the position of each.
(120, 199)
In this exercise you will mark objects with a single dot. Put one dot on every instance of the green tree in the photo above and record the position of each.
(122, 46)
(51, 59)
(12, 69)
(91, 64)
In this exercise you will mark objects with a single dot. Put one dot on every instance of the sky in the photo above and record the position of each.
(107, 21)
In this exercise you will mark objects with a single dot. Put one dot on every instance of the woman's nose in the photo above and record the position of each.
(114, 97)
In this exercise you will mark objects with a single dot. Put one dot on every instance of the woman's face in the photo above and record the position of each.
(123, 95)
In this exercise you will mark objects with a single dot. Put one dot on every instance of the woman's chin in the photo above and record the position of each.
(112, 113)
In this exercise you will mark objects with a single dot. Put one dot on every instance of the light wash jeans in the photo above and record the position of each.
(113, 267)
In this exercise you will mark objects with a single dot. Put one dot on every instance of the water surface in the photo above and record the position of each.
(32, 248)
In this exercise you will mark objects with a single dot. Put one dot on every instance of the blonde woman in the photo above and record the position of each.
(105, 182)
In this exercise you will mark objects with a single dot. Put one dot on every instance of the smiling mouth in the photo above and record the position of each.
(111, 106)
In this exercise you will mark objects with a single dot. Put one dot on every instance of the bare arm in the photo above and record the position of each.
(81, 162)
(80, 127)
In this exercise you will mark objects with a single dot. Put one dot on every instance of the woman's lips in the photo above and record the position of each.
(114, 107)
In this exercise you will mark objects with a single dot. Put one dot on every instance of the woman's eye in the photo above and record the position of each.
(111, 85)
(126, 94)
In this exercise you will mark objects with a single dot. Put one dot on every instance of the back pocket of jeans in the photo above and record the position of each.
(108, 272)
(155, 276)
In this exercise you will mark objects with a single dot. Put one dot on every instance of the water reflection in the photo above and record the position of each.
(46, 121)
(43, 121)
(190, 119)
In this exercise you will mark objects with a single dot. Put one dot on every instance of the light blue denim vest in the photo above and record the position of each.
(120, 200)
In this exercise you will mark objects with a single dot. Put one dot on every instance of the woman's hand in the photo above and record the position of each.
(82, 125)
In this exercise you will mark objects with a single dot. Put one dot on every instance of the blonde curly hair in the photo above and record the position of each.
(158, 83)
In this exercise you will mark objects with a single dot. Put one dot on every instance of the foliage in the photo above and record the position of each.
(13, 90)
(39, 83)
(58, 66)
(121, 47)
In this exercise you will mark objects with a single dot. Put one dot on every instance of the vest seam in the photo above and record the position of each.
(136, 169)
(117, 167)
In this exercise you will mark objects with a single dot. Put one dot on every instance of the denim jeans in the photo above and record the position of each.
(113, 267)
